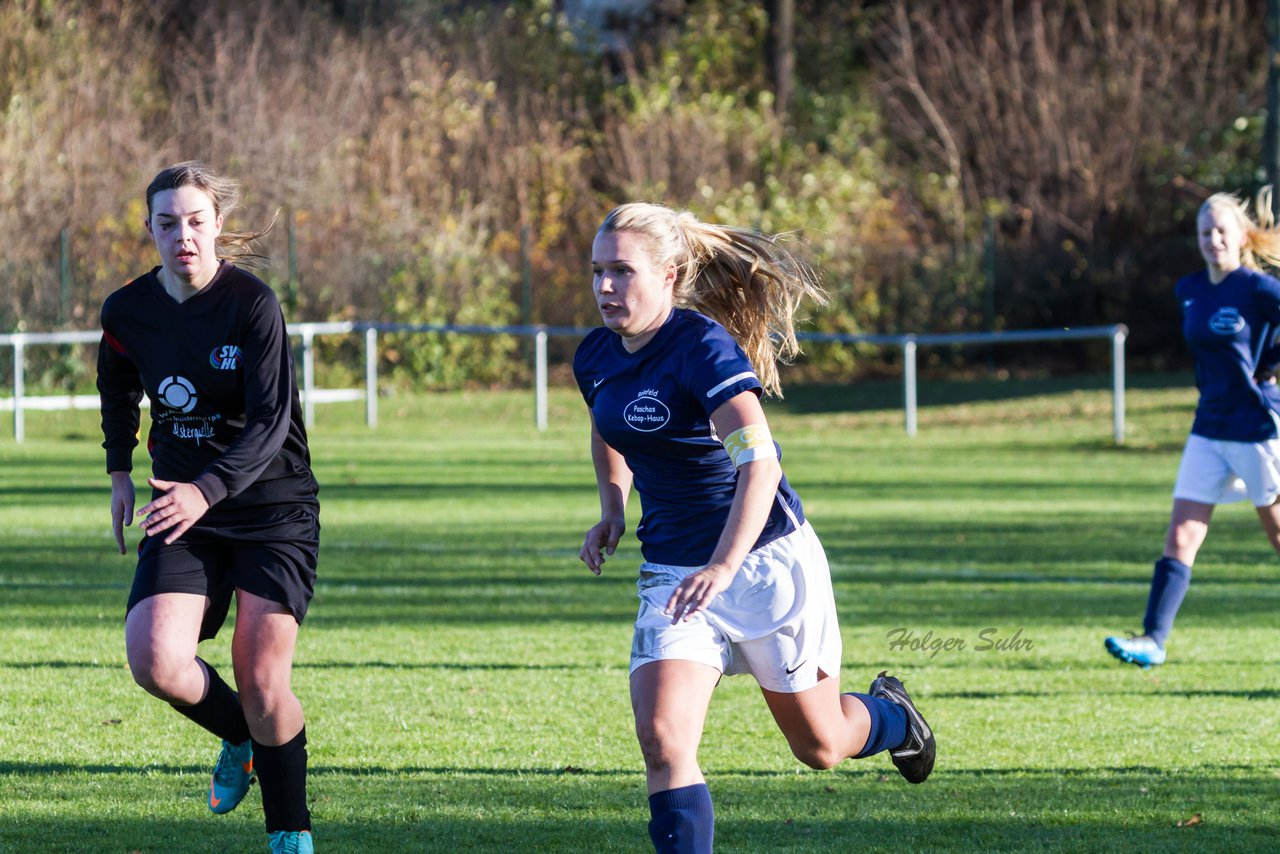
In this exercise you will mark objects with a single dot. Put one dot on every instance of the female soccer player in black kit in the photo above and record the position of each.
(233, 505)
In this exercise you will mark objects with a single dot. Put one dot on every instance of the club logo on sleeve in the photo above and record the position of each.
(646, 413)
(226, 358)
(178, 393)
(1226, 321)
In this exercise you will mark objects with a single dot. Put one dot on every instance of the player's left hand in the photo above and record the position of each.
(178, 509)
(695, 593)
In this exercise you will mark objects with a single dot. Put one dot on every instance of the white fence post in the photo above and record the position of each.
(1117, 383)
(371, 377)
(909, 384)
(308, 376)
(19, 355)
(540, 379)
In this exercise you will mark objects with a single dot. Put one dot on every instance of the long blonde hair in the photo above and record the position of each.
(225, 194)
(744, 280)
(1261, 236)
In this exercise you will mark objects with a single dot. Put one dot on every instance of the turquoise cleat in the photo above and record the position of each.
(231, 777)
(1140, 650)
(291, 842)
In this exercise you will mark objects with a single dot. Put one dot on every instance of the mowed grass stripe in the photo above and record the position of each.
(465, 677)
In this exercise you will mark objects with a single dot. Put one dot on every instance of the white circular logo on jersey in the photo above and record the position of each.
(178, 393)
(1226, 321)
(646, 414)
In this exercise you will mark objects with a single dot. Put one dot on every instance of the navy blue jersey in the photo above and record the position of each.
(1265, 373)
(1229, 326)
(653, 407)
(218, 370)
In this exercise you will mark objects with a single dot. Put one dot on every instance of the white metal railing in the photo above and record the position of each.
(1117, 334)
(311, 395)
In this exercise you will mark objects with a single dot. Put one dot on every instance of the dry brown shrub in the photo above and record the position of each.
(1053, 108)
(376, 141)
(75, 128)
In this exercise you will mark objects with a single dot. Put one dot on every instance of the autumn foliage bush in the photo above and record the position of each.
(947, 167)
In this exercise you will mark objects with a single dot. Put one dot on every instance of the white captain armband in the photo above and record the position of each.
(752, 442)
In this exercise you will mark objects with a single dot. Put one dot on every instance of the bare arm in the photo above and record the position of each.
(613, 479)
(752, 501)
(122, 497)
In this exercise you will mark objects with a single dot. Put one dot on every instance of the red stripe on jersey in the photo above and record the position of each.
(115, 345)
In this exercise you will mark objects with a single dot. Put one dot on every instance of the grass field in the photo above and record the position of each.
(465, 677)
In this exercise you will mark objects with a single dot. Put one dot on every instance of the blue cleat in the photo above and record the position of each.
(1140, 650)
(291, 842)
(231, 777)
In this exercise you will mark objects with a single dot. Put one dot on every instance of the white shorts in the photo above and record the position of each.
(1214, 471)
(776, 620)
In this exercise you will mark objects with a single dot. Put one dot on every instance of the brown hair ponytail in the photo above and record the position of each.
(234, 245)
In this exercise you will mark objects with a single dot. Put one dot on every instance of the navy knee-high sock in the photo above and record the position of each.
(888, 725)
(1169, 584)
(282, 775)
(682, 820)
(220, 711)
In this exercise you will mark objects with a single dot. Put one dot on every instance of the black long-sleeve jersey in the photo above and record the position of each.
(218, 369)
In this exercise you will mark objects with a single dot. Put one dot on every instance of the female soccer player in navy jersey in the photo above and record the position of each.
(233, 507)
(1230, 316)
(734, 579)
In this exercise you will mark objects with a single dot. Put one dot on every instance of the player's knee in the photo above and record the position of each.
(1184, 541)
(662, 743)
(158, 675)
(146, 678)
(818, 754)
(262, 698)
(1274, 537)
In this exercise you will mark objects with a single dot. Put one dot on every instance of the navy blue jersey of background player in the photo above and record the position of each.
(1229, 326)
(218, 370)
(653, 406)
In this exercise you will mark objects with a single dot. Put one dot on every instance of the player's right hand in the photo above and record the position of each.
(601, 540)
(122, 496)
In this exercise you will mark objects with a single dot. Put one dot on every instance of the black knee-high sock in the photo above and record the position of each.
(220, 711)
(282, 776)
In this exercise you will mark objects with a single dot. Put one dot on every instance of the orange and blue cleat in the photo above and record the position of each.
(232, 777)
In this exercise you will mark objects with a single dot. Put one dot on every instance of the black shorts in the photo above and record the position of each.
(270, 552)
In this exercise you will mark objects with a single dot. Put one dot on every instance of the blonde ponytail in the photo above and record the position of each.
(1261, 236)
(744, 280)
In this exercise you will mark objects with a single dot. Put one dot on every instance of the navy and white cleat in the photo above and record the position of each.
(914, 757)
